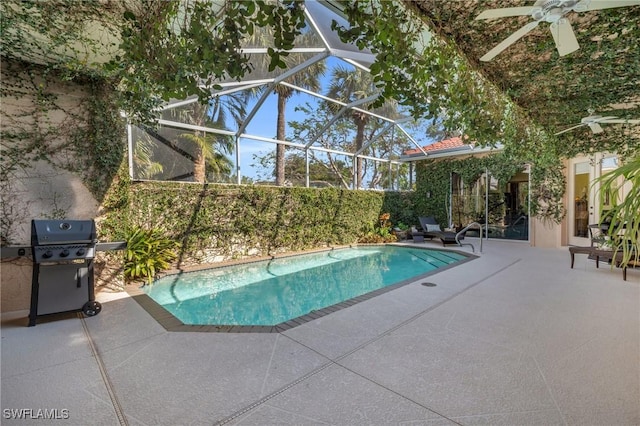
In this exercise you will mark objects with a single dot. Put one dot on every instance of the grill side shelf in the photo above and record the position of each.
(117, 245)
(15, 251)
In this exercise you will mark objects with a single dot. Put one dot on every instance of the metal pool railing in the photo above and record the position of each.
(465, 229)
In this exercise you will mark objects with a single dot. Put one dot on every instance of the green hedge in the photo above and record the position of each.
(235, 221)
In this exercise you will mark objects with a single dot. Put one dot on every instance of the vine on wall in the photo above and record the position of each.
(81, 133)
(216, 222)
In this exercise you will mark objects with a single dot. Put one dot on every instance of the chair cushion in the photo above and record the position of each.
(432, 228)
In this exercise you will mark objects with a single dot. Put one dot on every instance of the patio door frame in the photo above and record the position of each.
(592, 191)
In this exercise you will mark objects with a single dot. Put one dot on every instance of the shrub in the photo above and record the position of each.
(148, 252)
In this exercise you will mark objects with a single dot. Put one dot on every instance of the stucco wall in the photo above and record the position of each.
(545, 234)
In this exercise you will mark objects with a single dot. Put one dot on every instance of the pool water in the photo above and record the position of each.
(275, 291)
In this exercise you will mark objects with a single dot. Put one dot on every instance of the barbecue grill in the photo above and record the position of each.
(63, 253)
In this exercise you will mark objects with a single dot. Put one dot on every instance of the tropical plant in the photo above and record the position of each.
(402, 226)
(144, 165)
(381, 232)
(376, 234)
(148, 252)
(624, 216)
(208, 159)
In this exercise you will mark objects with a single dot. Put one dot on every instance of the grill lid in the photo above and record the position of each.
(56, 232)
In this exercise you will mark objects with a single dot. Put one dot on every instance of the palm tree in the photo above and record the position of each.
(210, 148)
(144, 165)
(349, 86)
(308, 78)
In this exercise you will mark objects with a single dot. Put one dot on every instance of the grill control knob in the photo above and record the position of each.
(64, 253)
(47, 254)
(80, 252)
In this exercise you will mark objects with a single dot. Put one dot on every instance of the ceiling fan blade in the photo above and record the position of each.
(509, 41)
(595, 128)
(569, 129)
(604, 4)
(620, 121)
(507, 11)
(564, 37)
(604, 119)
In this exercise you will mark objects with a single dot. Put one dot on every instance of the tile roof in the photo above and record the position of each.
(447, 144)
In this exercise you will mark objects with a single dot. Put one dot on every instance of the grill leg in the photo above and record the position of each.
(33, 312)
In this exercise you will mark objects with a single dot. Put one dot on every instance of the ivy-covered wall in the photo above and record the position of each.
(221, 222)
(548, 182)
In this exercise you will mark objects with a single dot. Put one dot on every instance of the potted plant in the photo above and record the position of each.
(401, 230)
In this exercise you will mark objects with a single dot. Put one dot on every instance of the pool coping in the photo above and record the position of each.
(171, 323)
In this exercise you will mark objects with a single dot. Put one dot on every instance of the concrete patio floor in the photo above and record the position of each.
(514, 337)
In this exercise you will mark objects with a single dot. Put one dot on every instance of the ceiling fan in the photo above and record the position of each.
(593, 121)
(554, 12)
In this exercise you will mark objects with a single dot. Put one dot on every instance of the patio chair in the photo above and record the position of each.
(610, 255)
(595, 232)
(431, 229)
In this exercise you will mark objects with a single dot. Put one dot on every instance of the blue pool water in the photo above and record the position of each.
(275, 291)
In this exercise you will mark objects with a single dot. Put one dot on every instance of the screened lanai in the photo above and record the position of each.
(311, 124)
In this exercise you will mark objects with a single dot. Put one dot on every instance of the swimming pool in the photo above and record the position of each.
(272, 292)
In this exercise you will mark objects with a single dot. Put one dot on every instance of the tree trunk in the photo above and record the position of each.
(280, 135)
(199, 165)
(360, 122)
(199, 162)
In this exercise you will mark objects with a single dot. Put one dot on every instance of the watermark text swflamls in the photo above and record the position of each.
(35, 414)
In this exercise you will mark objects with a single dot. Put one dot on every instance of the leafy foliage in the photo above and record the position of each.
(377, 233)
(70, 37)
(148, 252)
(346, 134)
(624, 217)
(427, 74)
(554, 92)
(82, 134)
(179, 49)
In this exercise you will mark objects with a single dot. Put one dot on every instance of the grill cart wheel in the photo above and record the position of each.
(92, 308)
